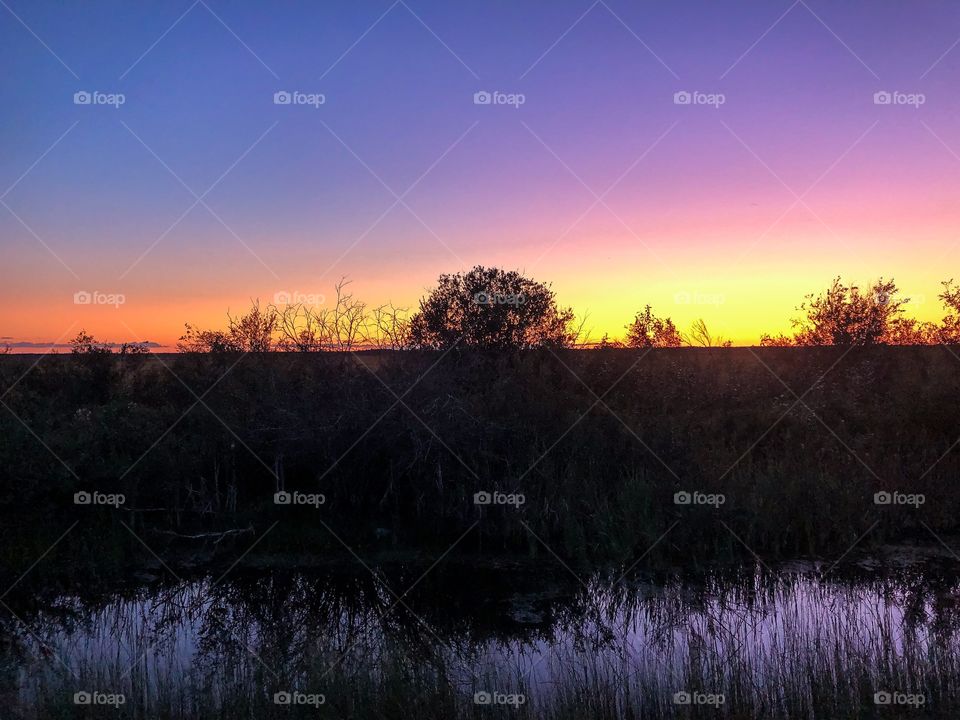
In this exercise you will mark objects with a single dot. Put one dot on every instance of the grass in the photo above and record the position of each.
(774, 645)
(797, 441)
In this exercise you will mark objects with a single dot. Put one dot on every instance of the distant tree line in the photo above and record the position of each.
(849, 315)
(496, 309)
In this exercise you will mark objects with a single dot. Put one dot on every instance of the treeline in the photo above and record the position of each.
(495, 309)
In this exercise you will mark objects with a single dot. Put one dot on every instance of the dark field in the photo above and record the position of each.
(597, 443)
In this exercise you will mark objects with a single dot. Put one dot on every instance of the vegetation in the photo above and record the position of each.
(647, 330)
(403, 441)
(787, 449)
(500, 310)
(491, 309)
(846, 315)
(763, 642)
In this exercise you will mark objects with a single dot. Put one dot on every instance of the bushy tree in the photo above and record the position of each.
(491, 308)
(647, 330)
(847, 315)
(909, 331)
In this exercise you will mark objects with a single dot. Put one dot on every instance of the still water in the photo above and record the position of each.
(747, 642)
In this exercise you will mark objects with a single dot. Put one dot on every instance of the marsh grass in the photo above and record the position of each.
(785, 645)
(598, 479)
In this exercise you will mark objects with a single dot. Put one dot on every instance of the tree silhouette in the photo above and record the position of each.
(700, 336)
(647, 330)
(252, 332)
(86, 344)
(847, 315)
(950, 331)
(491, 308)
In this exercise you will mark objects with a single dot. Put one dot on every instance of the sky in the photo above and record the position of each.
(717, 160)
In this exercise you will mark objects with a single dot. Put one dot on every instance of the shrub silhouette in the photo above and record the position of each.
(700, 336)
(950, 331)
(86, 344)
(647, 330)
(847, 315)
(252, 332)
(491, 308)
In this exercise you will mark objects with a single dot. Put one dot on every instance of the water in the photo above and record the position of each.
(746, 643)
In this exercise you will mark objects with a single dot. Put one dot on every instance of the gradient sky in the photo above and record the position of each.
(731, 213)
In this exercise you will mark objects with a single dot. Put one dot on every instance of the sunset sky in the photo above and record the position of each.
(599, 182)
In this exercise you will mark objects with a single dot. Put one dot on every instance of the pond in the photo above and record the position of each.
(795, 641)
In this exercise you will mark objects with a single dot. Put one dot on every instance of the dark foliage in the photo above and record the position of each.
(211, 438)
(493, 309)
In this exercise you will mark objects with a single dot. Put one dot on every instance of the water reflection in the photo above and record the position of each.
(759, 644)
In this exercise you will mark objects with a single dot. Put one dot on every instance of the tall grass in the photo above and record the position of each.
(797, 440)
(784, 645)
